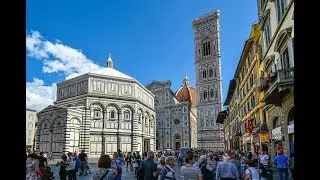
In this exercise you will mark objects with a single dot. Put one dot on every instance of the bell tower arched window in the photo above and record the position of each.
(205, 94)
(204, 73)
(206, 48)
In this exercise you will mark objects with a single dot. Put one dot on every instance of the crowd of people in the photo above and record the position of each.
(194, 165)
(218, 165)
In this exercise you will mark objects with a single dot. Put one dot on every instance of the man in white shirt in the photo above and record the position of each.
(264, 158)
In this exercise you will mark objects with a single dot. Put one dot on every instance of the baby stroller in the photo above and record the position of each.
(46, 174)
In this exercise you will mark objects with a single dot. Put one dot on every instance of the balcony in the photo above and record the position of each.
(278, 85)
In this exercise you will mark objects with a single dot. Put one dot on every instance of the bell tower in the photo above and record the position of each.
(208, 80)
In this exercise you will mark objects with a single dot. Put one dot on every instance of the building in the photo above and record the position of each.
(208, 80)
(99, 112)
(277, 23)
(31, 120)
(176, 115)
(242, 123)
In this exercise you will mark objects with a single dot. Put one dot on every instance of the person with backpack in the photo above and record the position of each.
(104, 171)
(208, 167)
(167, 172)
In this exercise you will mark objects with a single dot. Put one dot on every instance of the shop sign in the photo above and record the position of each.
(290, 128)
(276, 133)
(264, 137)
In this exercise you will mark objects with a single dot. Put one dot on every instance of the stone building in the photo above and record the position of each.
(99, 112)
(176, 115)
(244, 102)
(31, 121)
(208, 80)
(277, 23)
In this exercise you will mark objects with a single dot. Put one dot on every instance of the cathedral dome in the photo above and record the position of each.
(186, 93)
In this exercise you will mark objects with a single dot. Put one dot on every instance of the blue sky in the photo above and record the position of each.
(148, 40)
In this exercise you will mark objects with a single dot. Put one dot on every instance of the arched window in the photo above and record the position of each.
(204, 73)
(276, 122)
(126, 115)
(291, 116)
(212, 122)
(207, 122)
(210, 72)
(211, 93)
(112, 115)
(205, 94)
(202, 123)
(206, 48)
(139, 118)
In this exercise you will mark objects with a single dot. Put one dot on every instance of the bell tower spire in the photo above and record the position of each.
(109, 62)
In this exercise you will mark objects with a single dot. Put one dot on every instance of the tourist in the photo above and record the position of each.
(251, 172)
(129, 161)
(42, 163)
(83, 165)
(188, 172)
(104, 171)
(208, 167)
(148, 167)
(161, 165)
(71, 168)
(32, 167)
(117, 164)
(226, 170)
(167, 172)
(281, 162)
(63, 164)
(236, 162)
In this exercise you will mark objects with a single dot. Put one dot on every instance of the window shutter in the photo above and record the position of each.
(290, 52)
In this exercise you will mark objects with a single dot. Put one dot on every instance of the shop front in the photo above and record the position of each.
(264, 140)
(277, 140)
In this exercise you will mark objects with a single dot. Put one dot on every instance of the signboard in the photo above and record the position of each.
(290, 128)
(276, 133)
(264, 137)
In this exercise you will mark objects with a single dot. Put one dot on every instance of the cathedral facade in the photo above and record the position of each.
(98, 112)
(208, 80)
(175, 114)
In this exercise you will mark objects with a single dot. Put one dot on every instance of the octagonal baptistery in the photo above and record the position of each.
(98, 112)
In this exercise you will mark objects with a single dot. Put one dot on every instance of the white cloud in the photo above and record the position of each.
(38, 95)
(56, 57)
